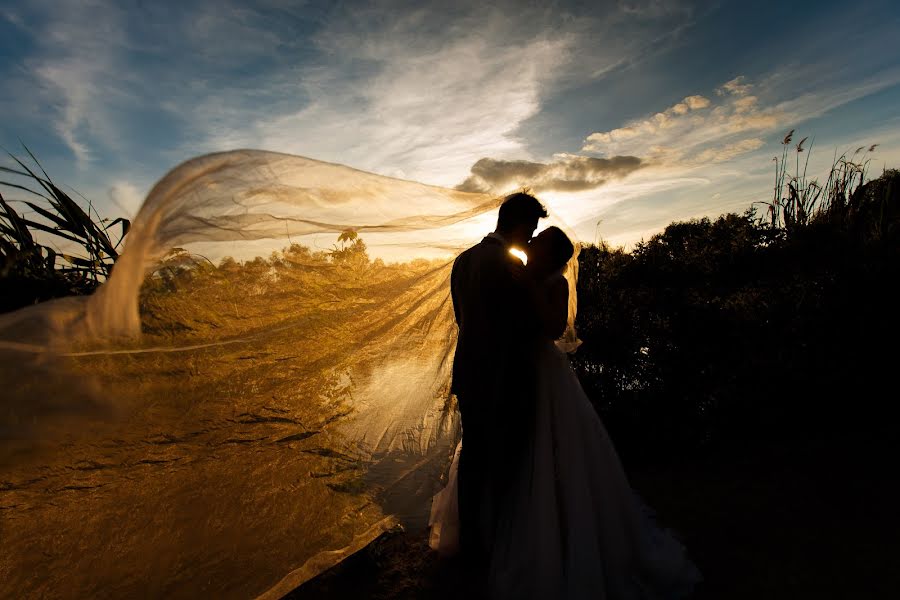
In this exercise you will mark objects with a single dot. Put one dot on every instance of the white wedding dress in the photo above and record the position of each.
(576, 529)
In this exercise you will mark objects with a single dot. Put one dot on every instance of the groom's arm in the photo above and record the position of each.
(454, 287)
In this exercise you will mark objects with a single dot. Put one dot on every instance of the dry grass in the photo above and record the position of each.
(798, 200)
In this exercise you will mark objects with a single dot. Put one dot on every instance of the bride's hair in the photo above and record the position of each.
(519, 208)
(561, 247)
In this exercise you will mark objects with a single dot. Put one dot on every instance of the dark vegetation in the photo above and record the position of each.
(50, 246)
(719, 331)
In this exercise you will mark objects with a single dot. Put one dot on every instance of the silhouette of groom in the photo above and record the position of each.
(492, 371)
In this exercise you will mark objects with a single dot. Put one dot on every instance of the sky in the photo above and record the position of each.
(624, 116)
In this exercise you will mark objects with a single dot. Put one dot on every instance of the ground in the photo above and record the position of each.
(811, 518)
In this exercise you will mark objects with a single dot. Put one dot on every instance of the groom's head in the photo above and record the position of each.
(519, 215)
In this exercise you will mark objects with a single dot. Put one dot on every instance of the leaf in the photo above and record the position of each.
(51, 230)
(126, 227)
(36, 161)
(51, 258)
(47, 214)
(81, 262)
(348, 235)
(19, 227)
(24, 188)
(78, 219)
(31, 174)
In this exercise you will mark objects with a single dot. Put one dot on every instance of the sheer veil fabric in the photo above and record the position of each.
(259, 389)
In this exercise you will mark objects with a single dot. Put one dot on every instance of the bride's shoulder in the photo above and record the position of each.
(556, 280)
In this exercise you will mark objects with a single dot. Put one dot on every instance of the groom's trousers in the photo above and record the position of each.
(473, 485)
(492, 448)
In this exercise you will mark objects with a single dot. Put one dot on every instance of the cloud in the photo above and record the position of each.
(567, 174)
(423, 90)
(647, 127)
(696, 130)
(405, 93)
(729, 151)
(126, 196)
(418, 89)
(73, 68)
(735, 87)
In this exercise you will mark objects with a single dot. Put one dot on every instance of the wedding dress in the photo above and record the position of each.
(575, 528)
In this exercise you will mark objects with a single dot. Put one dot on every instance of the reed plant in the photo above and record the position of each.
(799, 200)
(51, 246)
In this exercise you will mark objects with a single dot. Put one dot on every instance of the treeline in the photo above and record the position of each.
(188, 296)
(717, 331)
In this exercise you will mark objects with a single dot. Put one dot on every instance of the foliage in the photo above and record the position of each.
(798, 199)
(352, 250)
(216, 301)
(32, 267)
(739, 327)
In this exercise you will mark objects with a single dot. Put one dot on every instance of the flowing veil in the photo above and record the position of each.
(259, 389)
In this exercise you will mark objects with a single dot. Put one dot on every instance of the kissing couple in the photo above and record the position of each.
(537, 502)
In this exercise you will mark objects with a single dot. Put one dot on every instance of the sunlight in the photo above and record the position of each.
(519, 254)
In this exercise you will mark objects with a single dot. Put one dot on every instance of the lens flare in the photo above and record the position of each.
(519, 254)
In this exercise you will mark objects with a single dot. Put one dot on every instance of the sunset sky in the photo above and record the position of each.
(628, 114)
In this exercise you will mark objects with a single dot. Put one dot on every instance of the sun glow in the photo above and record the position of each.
(520, 255)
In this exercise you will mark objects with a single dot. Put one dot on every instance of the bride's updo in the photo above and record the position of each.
(549, 251)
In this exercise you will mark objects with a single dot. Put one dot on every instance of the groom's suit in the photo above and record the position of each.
(493, 382)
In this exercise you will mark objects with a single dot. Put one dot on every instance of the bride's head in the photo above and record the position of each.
(549, 252)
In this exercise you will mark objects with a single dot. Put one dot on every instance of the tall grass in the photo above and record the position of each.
(798, 200)
(54, 246)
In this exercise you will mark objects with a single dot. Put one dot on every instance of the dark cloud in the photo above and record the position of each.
(568, 174)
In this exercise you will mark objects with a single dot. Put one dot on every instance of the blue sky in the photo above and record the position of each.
(631, 114)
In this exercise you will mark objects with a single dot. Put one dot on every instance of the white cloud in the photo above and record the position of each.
(425, 108)
(126, 196)
(729, 151)
(77, 72)
(699, 131)
(425, 91)
(696, 131)
(735, 87)
(637, 130)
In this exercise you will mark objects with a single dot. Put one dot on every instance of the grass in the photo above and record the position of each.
(32, 264)
(798, 200)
